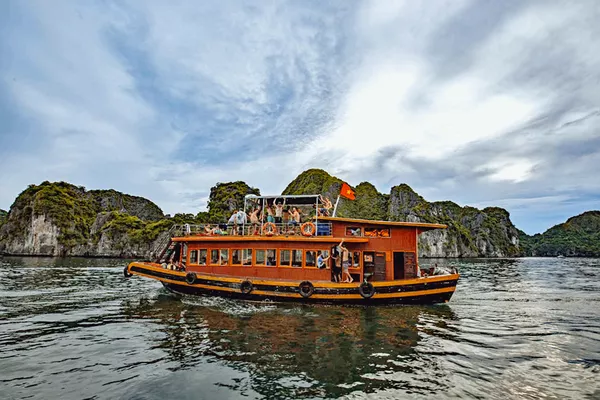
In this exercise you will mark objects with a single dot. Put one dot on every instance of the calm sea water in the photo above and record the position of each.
(515, 329)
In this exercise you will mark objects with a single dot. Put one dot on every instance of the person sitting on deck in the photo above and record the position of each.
(321, 261)
(213, 231)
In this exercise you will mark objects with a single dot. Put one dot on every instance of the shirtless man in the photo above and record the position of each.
(279, 212)
(324, 212)
(295, 216)
(345, 263)
(254, 219)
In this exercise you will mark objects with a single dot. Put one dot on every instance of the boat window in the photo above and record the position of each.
(377, 232)
(356, 259)
(310, 258)
(284, 258)
(353, 231)
(202, 256)
(260, 257)
(271, 257)
(297, 258)
(324, 254)
(194, 257)
(247, 256)
(224, 256)
(214, 257)
(236, 258)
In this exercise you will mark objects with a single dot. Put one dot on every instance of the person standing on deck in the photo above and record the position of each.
(254, 220)
(232, 222)
(345, 263)
(279, 212)
(241, 219)
(336, 270)
(270, 214)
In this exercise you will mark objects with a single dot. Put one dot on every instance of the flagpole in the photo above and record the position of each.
(336, 204)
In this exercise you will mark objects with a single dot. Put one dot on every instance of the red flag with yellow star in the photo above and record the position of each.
(347, 192)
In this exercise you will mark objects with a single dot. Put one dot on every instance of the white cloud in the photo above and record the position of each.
(164, 100)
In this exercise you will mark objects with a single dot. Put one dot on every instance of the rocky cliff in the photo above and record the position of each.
(3, 217)
(579, 236)
(63, 219)
(60, 219)
(471, 232)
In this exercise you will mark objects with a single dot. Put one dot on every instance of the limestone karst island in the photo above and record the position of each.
(61, 219)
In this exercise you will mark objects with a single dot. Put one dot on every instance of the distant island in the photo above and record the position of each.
(61, 219)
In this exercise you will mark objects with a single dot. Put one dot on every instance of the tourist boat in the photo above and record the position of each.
(279, 262)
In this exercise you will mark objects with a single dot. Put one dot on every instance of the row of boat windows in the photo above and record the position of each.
(263, 257)
(368, 232)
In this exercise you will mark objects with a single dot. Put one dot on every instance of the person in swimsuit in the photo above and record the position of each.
(279, 212)
(270, 214)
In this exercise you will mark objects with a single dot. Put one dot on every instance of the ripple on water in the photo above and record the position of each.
(75, 328)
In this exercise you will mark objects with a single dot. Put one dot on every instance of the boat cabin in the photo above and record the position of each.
(277, 243)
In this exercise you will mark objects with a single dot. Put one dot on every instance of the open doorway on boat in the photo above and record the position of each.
(398, 265)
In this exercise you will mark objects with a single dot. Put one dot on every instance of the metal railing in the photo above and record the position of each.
(259, 229)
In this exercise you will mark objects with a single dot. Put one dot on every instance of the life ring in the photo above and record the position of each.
(126, 273)
(190, 278)
(366, 290)
(269, 229)
(246, 287)
(306, 289)
(311, 229)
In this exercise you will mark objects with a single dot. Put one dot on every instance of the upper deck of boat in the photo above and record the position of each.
(312, 228)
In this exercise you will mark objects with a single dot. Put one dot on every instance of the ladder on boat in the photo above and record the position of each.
(164, 248)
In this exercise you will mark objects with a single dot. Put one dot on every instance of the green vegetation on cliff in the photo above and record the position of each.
(314, 181)
(578, 237)
(73, 210)
(226, 197)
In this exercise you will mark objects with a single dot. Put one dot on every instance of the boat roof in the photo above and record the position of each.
(422, 225)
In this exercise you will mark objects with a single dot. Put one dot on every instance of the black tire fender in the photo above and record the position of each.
(366, 290)
(246, 287)
(190, 278)
(306, 289)
(126, 273)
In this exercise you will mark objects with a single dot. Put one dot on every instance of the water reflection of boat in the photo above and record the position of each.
(329, 346)
(295, 262)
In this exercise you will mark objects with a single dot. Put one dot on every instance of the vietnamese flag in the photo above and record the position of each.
(347, 192)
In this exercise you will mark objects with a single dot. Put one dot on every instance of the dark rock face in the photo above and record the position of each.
(3, 217)
(579, 236)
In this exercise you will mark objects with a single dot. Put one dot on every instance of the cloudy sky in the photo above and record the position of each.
(479, 102)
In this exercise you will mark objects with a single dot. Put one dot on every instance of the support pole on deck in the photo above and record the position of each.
(335, 207)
